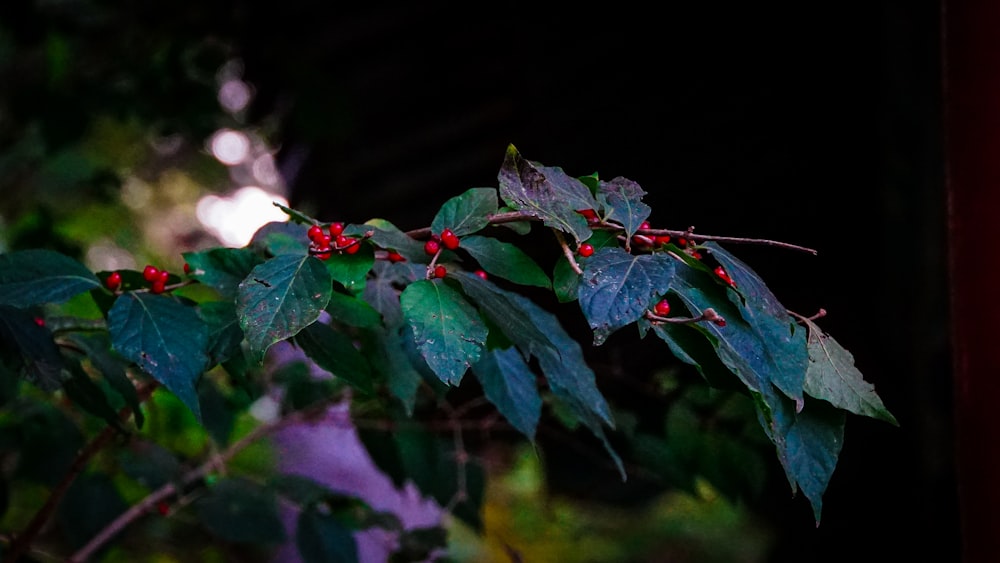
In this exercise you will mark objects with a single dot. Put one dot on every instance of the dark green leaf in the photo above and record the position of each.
(91, 503)
(280, 237)
(785, 341)
(238, 510)
(623, 203)
(164, 338)
(467, 212)
(833, 377)
(352, 311)
(224, 332)
(336, 354)
(91, 398)
(35, 277)
(617, 288)
(222, 268)
(813, 444)
(321, 538)
(447, 330)
(296, 216)
(38, 353)
(97, 346)
(393, 363)
(504, 313)
(505, 260)
(149, 463)
(547, 193)
(519, 227)
(693, 346)
(565, 281)
(509, 384)
(382, 291)
(281, 297)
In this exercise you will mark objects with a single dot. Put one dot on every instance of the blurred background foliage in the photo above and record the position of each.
(133, 132)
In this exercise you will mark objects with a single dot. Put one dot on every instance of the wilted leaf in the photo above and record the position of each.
(545, 192)
(164, 338)
(35, 277)
(467, 212)
(617, 288)
(505, 260)
(509, 384)
(281, 297)
(447, 330)
(623, 203)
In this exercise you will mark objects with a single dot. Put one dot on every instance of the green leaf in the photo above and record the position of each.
(393, 363)
(281, 297)
(97, 346)
(164, 338)
(813, 444)
(336, 353)
(833, 377)
(382, 291)
(547, 193)
(509, 384)
(693, 346)
(224, 332)
(623, 203)
(89, 396)
(388, 236)
(617, 288)
(785, 340)
(353, 311)
(467, 212)
(35, 277)
(506, 261)
(280, 237)
(565, 281)
(352, 269)
(43, 365)
(321, 538)
(297, 216)
(447, 330)
(222, 268)
(238, 510)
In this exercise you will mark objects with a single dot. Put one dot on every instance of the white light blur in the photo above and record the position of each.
(235, 219)
(230, 147)
(234, 95)
(264, 170)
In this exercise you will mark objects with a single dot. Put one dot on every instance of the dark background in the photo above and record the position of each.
(815, 125)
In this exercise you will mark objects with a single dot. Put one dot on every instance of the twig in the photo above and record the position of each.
(708, 314)
(737, 240)
(567, 252)
(22, 542)
(148, 504)
(819, 314)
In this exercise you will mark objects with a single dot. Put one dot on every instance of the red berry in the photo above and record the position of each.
(721, 272)
(586, 249)
(449, 239)
(696, 255)
(315, 233)
(39, 321)
(150, 273)
(187, 268)
(720, 322)
(644, 226)
(590, 215)
(163, 508)
(113, 281)
(394, 256)
(159, 286)
(163, 277)
(661, 240)
(324, 253)
(336, 229)
(482, 274)
(342, 241)
(440, 271)
(662, 308)
(432, 247)
(682, 242)
(352, 246)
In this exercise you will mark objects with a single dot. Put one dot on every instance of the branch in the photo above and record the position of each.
(567, 252)
(22, 542)
(148, 504)
(708, 314)
(689, 234)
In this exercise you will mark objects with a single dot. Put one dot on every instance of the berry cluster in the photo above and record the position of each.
(323, 245)
(157, 277)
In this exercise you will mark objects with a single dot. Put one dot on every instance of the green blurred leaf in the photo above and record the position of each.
(393, 363)
(545, 192)
(785, 340)
(222, 268)
(38, 276)
(833, 377)
(623, 203)
(505, 260)
(509, 384)
(224, 332)
(90, 397)
(321, 538)
(467, 212)
(238, 510)
(336, 354)
(447, 330)
(281, 297)
(98, 348)
(352, 311)
(33, 345)
(164, 338)
(617, 288)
